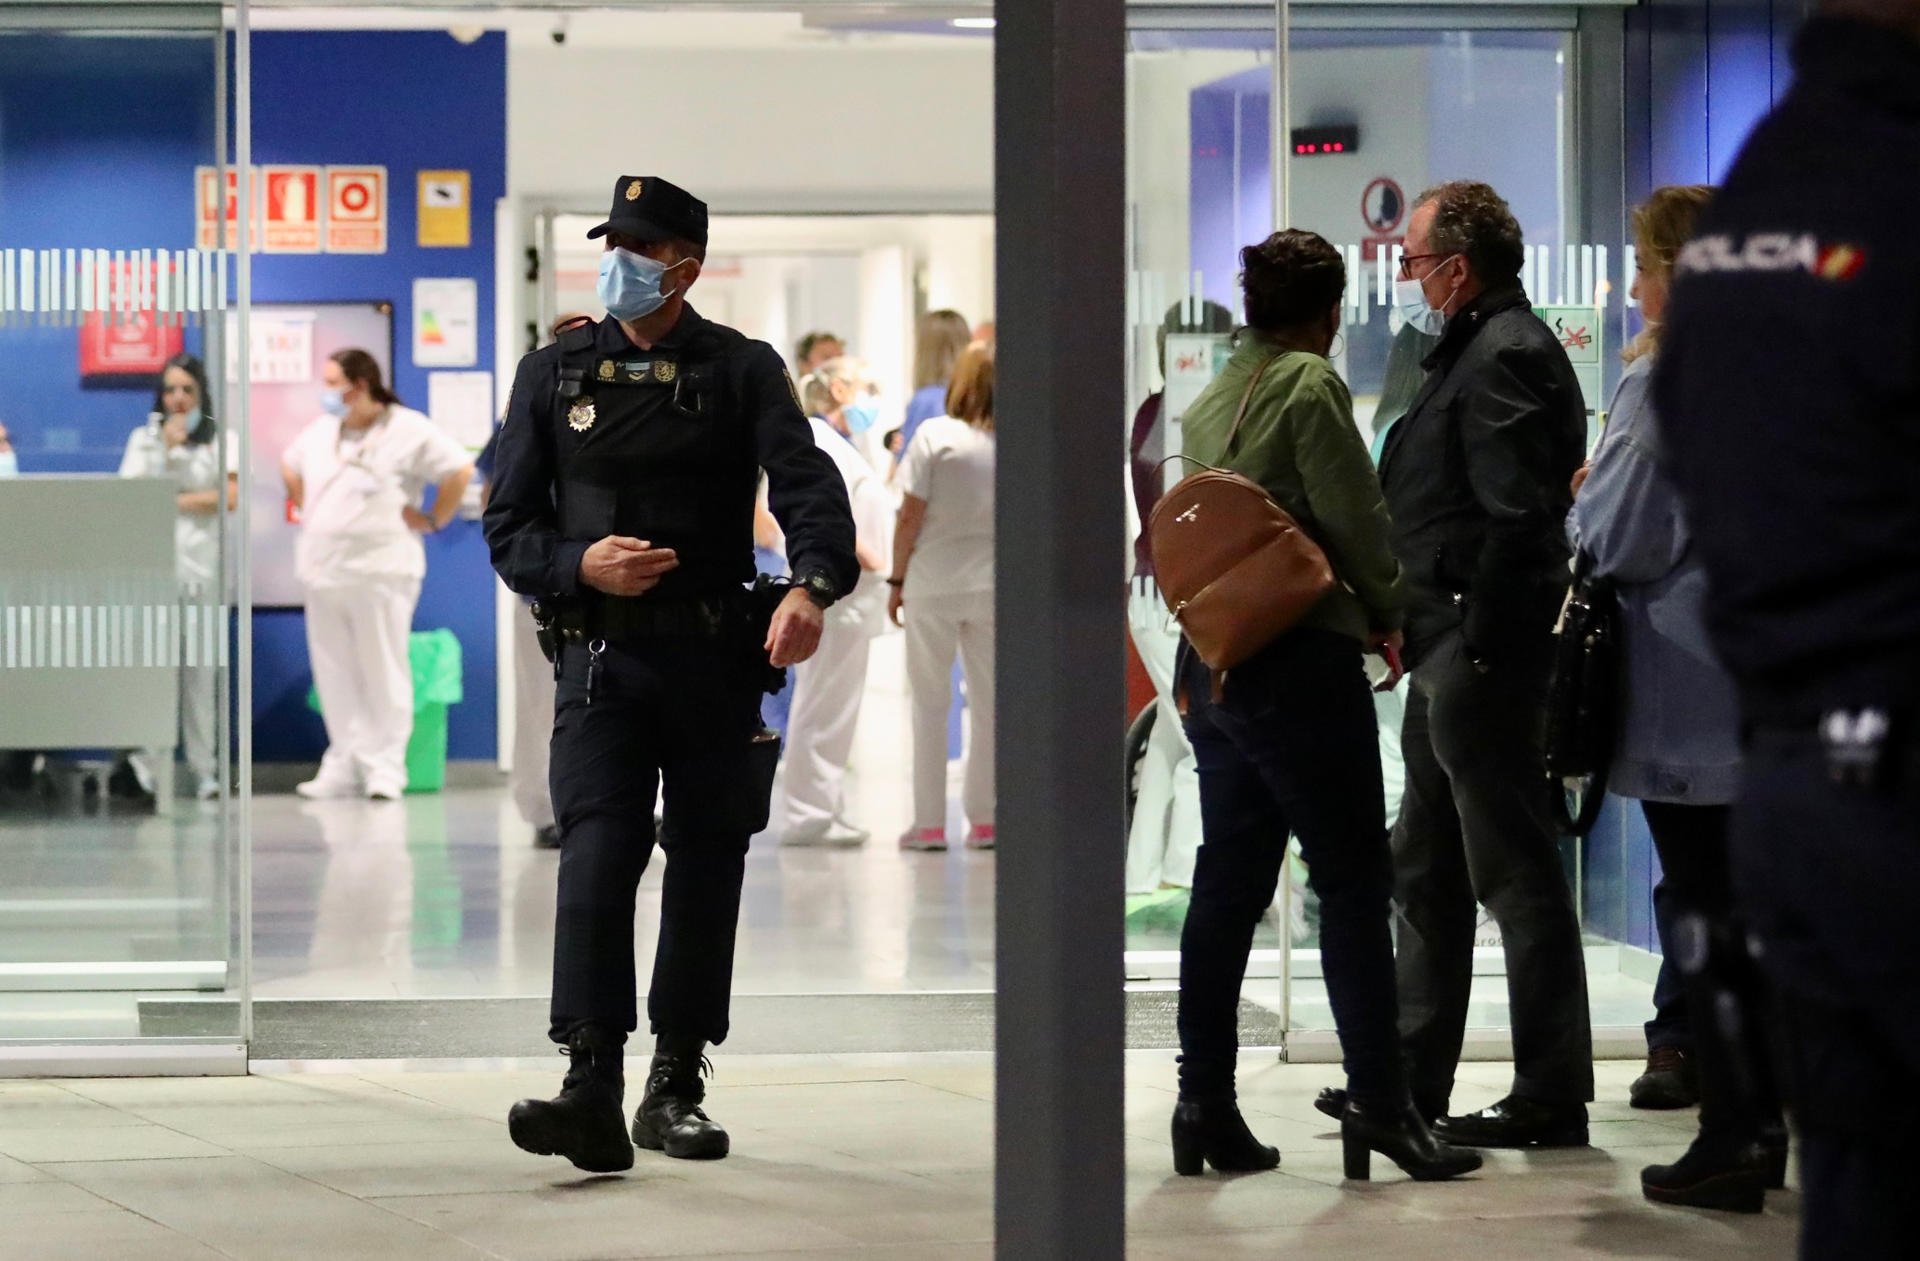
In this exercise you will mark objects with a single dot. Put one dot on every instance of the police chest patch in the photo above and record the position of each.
(664, 371)
(606, 370)
(580, 416)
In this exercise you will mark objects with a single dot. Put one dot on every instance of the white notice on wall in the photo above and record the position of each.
(282, 347)
(1193, 361)
(462, 404)
(446, 322)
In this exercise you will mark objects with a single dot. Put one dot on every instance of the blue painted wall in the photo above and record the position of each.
(1699, 75)
(330, 97)
(98, 141)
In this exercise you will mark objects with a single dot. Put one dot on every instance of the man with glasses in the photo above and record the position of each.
(1476, 476)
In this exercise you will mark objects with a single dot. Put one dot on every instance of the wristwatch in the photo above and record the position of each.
(819, 588)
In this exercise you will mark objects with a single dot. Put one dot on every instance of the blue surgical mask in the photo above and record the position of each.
(862, 416)
(192, 420)
(629, 285)
(9, 464)
(1410, 300)
(333, 403)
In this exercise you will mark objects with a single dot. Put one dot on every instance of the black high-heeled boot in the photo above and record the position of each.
(1212, 1132)
(1402, 1136)
(1713, 1175)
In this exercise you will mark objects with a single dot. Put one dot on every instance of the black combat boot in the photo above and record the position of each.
(585, 1122)
(670, 1119)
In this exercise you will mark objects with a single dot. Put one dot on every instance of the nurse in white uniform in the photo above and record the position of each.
(178, 443)
(943, 594)
(356, 475)
(827, 687)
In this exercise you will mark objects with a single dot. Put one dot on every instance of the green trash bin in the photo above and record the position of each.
(435, 659)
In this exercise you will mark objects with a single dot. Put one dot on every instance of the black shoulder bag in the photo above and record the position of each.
(1583, 699)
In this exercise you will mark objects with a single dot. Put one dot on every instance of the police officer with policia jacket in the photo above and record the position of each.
(623, 502)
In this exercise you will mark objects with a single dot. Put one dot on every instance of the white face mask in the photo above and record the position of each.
(1410, 300)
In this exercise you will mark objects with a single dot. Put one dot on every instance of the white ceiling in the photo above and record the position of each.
(689, 24)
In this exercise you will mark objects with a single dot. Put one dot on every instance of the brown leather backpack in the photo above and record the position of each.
(1234, 567)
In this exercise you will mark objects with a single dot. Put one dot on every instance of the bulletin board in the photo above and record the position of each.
(291, 341)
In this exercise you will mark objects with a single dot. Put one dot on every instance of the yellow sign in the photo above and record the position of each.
(446, 208)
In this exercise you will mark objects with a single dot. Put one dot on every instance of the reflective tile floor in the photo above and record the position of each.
(443, 896)
(863, 1157)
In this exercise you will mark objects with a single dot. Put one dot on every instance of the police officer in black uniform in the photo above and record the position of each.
(623, 502)
(1789, 390)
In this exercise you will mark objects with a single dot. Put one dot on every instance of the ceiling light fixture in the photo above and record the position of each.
(972, 24)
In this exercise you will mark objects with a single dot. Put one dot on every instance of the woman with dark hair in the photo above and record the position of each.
(1288, 746)
(177, 442)
(356, 475)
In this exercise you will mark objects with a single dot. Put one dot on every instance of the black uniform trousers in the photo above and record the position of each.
(672, 712)
(1476, 824)
(1293, 747)
(1828, 876)
(1738, 1093)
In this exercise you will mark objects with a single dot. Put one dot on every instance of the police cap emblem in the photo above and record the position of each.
(580, 416)
(664, 371)
(634, 190)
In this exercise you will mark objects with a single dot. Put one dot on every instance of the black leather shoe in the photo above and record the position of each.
(1712, 1176)
(670, 1118)
(1669, 1082)
(1214, 1133)
(585, 1122)
(1401, 1136)
(1517, 1122)
(1773, 1141)
(547, 837)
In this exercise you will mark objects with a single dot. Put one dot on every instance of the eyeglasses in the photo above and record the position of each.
(1407, 261)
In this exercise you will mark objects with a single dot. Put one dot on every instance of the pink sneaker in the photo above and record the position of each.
(924, 839)
(980, 836)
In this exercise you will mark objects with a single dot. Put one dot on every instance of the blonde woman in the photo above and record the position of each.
(827, 687)
(938, 344)
(1681, 761)
(942, 592)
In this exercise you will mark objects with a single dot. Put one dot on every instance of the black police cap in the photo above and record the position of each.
(649, 208)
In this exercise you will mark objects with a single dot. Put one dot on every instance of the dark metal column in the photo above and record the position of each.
(1060, 197)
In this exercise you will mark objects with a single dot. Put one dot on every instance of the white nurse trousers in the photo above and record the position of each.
(937, 627)
(357, 641)
(532, 722)
(1165, 838)
(827, 689)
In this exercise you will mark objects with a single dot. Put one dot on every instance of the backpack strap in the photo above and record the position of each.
(1246, 401)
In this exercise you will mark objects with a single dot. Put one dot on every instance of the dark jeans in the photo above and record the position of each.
(1825, 875)
(1669, 1026)
(1706, 947)
(1291, 748)
(672, 712)
(1476, 824)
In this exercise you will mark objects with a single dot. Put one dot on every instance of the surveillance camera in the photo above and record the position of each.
(559, 33)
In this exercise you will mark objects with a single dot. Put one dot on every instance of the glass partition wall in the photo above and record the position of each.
(122, 917)
(1364, 113)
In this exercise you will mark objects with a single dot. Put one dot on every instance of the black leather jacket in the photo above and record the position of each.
(1478, 476)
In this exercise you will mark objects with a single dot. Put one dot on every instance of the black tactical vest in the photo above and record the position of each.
(652, 446)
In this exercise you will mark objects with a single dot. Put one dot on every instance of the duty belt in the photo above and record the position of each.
(639, 617)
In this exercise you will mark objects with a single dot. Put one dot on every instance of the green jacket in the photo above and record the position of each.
(1300, 442)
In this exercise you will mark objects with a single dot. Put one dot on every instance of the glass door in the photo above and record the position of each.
(122, 943)
(1368, 109)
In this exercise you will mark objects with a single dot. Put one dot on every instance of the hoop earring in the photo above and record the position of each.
(1339, 340)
